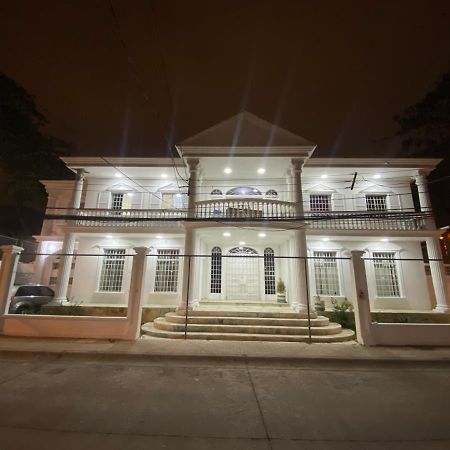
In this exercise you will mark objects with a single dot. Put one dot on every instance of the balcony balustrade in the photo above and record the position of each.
(245, 209)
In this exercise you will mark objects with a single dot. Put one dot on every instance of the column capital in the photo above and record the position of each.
(357, 253)
(11, 249)
(142, 251)
(79, 174)
(297, 164)
(193, 163)
(422, 174)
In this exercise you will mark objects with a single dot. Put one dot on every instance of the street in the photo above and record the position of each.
(96, 402)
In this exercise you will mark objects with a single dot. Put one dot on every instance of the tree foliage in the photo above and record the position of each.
(27, 154)
(425, 127)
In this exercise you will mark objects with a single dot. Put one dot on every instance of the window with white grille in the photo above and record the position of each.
(166, 277)
(113, 264)
(216, 270)
(272, 193)
(269, 271)
(117, 200)
(386, 274)
(326, 273)
(320, 202)
(376, 202)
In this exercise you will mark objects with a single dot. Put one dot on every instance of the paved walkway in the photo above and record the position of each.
(191, 349)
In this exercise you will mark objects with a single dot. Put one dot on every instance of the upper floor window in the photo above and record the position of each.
(376, 202)
(272, 193)
(171, 200)
(120, 200)
(320, 202)
(216, 192)
(244, 190)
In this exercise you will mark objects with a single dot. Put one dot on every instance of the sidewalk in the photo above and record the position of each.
(225, 350)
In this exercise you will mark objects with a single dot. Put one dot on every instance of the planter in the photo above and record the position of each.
(281, 298)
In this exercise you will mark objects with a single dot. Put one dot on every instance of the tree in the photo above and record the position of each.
(27, 154)
(425, 127)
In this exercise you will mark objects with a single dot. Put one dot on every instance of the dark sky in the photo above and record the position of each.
(335, 72)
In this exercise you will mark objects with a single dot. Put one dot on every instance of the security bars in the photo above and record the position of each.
(386, 276)
(113, 264)
(326, 273)
(166, 277)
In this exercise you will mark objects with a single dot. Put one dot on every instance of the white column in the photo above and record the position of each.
(193, 164)
(186, 290)
(10, 259)
(65, 267)
(78, 189)
(298, 295)
(438, 275)
(363, 320)
(134, 311)
(424, 196)
(296, 186)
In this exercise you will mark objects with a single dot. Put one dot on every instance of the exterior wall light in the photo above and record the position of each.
(227, 170)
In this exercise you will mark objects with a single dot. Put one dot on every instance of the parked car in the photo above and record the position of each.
(28, 298)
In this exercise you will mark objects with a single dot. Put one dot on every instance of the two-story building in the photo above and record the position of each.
(249, 204)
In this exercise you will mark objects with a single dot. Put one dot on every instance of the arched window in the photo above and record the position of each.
(269, 271)
(244, 190)
(272, 193)
(216, 270)
(216, 192)
(243, 251)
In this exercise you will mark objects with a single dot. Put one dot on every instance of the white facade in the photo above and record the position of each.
(250, 209)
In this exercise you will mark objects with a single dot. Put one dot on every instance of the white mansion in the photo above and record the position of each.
(251, 201)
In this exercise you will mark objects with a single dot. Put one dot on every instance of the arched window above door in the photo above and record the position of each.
(243, 251)
(244, 190)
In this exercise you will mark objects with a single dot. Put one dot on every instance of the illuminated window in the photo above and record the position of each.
(269, 271)
(216, 192)
(113, 264)
(216, 270)
(244, 190)
(166, 277)
(326, 273)
(376, 202)
(120, 200)
(320, 202)
(386, 275)
(272, 193)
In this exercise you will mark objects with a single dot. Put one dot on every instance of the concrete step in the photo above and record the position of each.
(149, 329)
(162, 324)
(238, 320)
(289, 314)
(238, 303)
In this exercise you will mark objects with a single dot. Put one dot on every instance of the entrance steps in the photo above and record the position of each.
(250, 323)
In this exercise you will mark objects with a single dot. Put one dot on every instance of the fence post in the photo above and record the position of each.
(10, 259)
(134, 311)
(363, 320)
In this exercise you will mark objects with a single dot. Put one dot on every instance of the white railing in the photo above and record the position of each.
(244, 209)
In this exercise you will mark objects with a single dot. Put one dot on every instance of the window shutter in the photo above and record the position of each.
(103, 200)
(393, 201)
(337, 202)
(136, 200)
(360, 201)
(306, 197)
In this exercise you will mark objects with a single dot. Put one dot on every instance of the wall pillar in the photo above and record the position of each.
(10, 259)
(134, 311)
(188, 269)
(298, 295)
(193, 164)
(296, 186)
(424, 196)
(78, 189)
(363, 320)
(438, 275)
(65, 267)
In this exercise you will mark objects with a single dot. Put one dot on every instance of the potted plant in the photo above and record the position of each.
(281, 291)
(319, 304)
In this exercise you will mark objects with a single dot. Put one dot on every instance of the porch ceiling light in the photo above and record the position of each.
(261, 170)
(262, 234)
(227, 170)
(158, 236)
(241, 243)
(118, 175)
(108, 236)
(164, 175)
(226, 234)
(376, 176)
(325, 239)
(324, 175)
(385, 240)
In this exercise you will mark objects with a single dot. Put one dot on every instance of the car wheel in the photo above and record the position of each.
(24, 309)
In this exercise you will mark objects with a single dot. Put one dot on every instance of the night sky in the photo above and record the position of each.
(335, 72)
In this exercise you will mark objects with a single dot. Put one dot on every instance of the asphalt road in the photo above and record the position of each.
(100, 403)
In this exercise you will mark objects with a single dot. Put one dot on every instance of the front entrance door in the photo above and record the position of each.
(242, 274)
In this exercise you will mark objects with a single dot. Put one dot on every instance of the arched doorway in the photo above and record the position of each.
(242, 274)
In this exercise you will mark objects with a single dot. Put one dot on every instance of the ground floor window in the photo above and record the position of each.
(216, 270)
(166, 277)
(269, 271)
(111, 276)
(386, 274)
(326, 273)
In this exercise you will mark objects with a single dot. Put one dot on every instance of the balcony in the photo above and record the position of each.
(248, 209)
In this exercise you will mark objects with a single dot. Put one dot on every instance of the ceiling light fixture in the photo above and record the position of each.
(262, 234)
(324, 175)
(385, 240)
(226, 234)
(164, 175)
(241, 243)
(158, 236)
(108, 236)
(227, 170)
(261, 170)
(376, 176)
(325, 239)
(118, 175)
